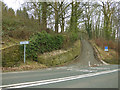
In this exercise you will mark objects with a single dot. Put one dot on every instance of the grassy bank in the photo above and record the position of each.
(29, 65)
(49, 59)
(60, 57)
(110, 56)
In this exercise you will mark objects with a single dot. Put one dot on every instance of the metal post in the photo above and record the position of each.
(24, 51)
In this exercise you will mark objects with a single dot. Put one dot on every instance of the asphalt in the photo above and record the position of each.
(86, 56)
(102, 81)
(79, 67)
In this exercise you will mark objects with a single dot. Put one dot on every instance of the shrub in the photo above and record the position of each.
(51, 59)
(102, 43)
(43, 42)
(19, 34)
(69, 39)
(73, 36)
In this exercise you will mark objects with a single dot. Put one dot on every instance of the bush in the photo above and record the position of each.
(69, 39)
(51, 59)
(102, 43)
(11, 56)
(39, 43)
(43, 42)
(73, 36)
(19, 34)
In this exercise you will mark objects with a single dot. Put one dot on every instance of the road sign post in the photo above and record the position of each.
(24, 42)
(24, 51)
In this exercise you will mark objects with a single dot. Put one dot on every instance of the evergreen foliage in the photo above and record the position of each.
(43, 42)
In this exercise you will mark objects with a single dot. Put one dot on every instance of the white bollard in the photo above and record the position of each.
(89, 64)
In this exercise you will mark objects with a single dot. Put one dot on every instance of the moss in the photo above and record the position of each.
(58, 59)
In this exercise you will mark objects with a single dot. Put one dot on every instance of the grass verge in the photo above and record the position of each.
(49, 59)
(29, 65)
(110, 56)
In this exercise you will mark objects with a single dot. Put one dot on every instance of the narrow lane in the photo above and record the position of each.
(87, 55)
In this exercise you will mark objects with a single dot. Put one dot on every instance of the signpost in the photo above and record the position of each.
(24, 42)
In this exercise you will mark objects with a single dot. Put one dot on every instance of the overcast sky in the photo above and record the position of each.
(16, 4)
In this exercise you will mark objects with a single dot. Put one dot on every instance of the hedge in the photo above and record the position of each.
(43, 42)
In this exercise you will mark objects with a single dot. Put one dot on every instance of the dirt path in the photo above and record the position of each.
(87, 56)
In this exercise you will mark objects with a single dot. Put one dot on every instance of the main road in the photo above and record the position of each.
(78, 74)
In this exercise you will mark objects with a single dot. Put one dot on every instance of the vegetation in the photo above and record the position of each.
(62, 57)
(52, 26)
(48, 59)
(102, 43)
(43, 42)
(99, 19)
(11, 56)
(110, 56)
(29, 65)
(17, 27)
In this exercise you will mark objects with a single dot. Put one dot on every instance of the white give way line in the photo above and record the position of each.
(43, 82)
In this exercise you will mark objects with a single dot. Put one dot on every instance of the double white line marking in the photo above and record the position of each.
(43, 82)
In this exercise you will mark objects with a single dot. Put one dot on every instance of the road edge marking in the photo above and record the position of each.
(42, 82)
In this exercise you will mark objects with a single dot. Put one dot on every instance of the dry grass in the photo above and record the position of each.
(29, 65)
(53, 53)
(110, 43)
(8, 41)
(110, 56)
(57, 52)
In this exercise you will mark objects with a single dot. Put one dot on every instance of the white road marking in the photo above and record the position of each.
(61, 68)
(82, 70)
(99, 68)
(69, 69)
(49, 69)
(98, 65)
(88, 70)
(104, 62)
(43, 82)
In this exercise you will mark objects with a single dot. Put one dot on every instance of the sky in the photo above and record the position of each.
(16, 4)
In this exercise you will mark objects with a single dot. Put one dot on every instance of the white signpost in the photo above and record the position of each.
(24, 42)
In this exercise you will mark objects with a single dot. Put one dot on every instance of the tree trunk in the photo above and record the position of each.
(75, 16)
(56, 18)
(71, 19)
(44, 16)
(62, 27)
(62, 16)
